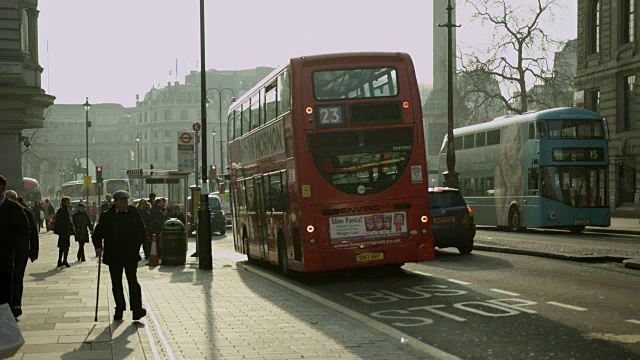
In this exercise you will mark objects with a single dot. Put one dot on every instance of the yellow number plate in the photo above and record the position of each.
(369, 257)
(444, 219)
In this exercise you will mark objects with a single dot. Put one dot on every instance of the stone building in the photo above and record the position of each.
(608, 61)
(23, 102)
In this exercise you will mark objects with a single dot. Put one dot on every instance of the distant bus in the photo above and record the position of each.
(31, 191)
(75, 190)
(327, 165)
(546, 169)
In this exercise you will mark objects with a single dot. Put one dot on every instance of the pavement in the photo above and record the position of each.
(227, 313)
(630, 258)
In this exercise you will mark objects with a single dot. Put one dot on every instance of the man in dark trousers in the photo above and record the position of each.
(118, 237)
(26, 250)
(14, 231)
(64, 229)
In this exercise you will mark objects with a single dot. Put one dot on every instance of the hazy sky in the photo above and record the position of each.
(112, 50)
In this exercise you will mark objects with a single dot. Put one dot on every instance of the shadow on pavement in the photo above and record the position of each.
(476, 261)
(41, 276)
(104, 341)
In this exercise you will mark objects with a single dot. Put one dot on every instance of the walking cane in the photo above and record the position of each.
(95, 319)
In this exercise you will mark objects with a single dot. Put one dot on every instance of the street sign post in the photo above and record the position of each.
(196, 126)
(186, 154)
(87, 182)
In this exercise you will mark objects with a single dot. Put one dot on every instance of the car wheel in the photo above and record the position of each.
(514, 219)
(466, 248)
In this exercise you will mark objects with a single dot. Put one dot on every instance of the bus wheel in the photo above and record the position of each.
(283, 261)
(576, 229)
(514, 219)
(245, 243)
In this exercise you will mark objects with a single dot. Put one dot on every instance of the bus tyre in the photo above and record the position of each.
(515, 222)
(283, 261)
(576, 229)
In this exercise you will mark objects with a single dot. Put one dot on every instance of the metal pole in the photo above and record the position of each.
(451, 178)
(86, 127)
(221, 171)
(205, 255)
(197, 157)
(139, 182)
(213, 148)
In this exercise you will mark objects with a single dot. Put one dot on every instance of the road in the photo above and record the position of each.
(503, 306)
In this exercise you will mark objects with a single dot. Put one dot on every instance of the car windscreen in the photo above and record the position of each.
(446, 199)
(214, 203)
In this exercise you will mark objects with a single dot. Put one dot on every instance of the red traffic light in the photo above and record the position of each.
(213, 167)
(99, 168)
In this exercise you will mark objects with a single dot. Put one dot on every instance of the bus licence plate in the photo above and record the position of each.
(582, 221)
(444, 219)
(369, 257)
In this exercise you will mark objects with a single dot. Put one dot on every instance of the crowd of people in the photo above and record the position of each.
(116, 229)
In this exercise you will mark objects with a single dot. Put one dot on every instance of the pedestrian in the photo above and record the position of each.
(106, 204)
(49, 211)
(118, 238)
(37, 216)
(64, 230)
(152, 198)
(94, 213)
(147, 218)
(157, 216)
(25, 251)
(14, 231)
(81, 222)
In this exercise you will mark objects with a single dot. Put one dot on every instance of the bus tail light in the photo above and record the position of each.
(470, 210)
(312, 241)
(309, 110)
(424, 218)
(310, 228)
(424, 231)
(405, 104)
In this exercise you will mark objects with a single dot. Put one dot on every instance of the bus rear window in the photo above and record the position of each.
(575, 129)
(355, 83)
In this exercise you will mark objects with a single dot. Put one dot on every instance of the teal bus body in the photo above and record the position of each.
(547, 169)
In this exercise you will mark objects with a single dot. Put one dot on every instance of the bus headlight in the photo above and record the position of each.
(553, 215)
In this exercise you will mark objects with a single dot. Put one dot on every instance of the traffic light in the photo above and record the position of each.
(99, 174)
(213, 173)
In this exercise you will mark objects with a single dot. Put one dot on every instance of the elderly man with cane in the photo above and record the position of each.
(117, 240)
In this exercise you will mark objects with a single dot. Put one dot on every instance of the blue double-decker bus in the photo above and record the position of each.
(547, 169)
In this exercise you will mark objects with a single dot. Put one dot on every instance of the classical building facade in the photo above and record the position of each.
(608, 62)
(23, 102)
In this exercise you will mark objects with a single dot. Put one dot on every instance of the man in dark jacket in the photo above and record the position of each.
(82, 224)
(64, 229)
(26, 250)
(14, 232)
(122, 229)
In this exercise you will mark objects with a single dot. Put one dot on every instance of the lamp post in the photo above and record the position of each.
(213, 148)
(205, 252)
(220, 91)
(87, 123)
(138, 140)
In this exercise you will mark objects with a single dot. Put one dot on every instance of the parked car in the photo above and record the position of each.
(218, 217)
(226, 206)
(452, 222)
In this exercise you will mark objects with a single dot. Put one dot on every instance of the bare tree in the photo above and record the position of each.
(516, 56)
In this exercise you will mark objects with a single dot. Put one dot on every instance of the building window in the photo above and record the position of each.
(167, 133)
(594, 100)
(167, 115)
(156, 153)
(628, 21)
(184, 115)
(24, 32)
(167, 153)
(629, 84)
(594, 28)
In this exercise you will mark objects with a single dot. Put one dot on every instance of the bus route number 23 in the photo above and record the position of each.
(330, 115)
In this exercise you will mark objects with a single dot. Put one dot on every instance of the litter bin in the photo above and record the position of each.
(174, 243)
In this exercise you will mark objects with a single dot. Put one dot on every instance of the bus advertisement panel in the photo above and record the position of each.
(546, 169)
(328, 167)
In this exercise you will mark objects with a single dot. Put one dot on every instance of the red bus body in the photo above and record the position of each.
(333, 182)
(31, 191)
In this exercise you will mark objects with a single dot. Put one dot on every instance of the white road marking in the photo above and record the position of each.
(156, 355)
(459, 282)
(577, 308)
(504, 292)
(163, 339)
(421, 273)
(633, 321)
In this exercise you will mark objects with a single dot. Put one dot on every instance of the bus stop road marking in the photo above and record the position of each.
(505, 292)
(633, 321)
(576, 308)
(459, 282)
(384, 328)
(420, 273)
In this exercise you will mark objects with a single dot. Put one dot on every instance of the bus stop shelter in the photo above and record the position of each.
(177, 185)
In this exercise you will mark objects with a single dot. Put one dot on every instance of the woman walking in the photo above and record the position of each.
(81, 222)
(147, 218)
(38, 214)
(64, 230)
(94, 213)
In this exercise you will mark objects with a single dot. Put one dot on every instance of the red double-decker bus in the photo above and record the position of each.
(327, 165)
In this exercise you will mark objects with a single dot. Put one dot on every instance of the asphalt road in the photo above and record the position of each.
(500, 306)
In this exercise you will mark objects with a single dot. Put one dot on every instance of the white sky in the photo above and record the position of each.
(112, 50)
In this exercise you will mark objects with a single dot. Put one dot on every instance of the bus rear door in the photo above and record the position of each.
(261, 216)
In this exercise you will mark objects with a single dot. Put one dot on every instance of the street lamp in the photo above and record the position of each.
(138, 140)
(87, 123)
(233, 99)
(213, 148)
(205, 252)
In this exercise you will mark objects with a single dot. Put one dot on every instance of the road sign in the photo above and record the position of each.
(186, 152)
(196, 126)
(87, 182)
